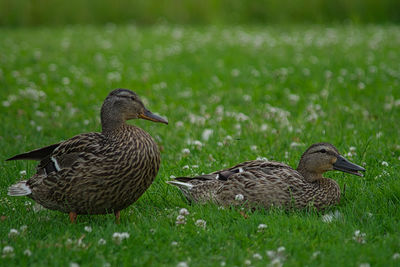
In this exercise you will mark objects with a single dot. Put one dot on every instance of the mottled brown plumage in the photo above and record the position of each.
(96, 173)
(270, 183)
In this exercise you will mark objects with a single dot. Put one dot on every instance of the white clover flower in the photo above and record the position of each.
(118, 237)
(257, 256)
(23, 228)
(174, 243)
(396, 256)
(295, 144)
(206, 134)
(359, 237)
(8, 250)
(186, 151)
(22, 173)
(184, 212)
(27, 252)
(185, 167)
(239, 197)
(88, 229)
(182, 264)
(201, 223)
(247, 262)
(101, 241)
(316, 254)
(246, 98)
(277, 257)
(73, 264)
(13, 233)
(172, 176)
(179, 124)
(275, 263)
(223, 263)
(253, 148)
(180, 219)
(262, 227)
(384, 163)
(364, 264)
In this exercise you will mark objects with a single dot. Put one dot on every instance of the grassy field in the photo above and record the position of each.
(262, 91)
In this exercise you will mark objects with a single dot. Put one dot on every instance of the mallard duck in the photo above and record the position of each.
(96, 173)
(269, 183)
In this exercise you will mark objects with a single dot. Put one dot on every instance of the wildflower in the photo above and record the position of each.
(295, 144)
(172, 176)
(185, 167)
(8, 251)
(23, 228)
(293, 98)
(174, 243)
(384, 163)
(364, 264)
(101, 241)
(247, 262)
(396, 256)
(118, 237)
(253, 148)
(359, 237)
(73, 264)
(257, 256)
(27, 252)
(13, 233)
(182, 264)
(22, 173)
(186, 151)
(264, 127)
(88, 229)
(239, 197)
(206, 134)
(201, 223)
(315, 254)
(184, 212)
(277, 257)
(223, 263)
(180, 219)
(262, 227)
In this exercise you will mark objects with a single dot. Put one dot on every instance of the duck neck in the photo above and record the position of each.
(309, 176)
(111, 120)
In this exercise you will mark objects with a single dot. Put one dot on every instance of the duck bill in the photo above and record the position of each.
(148, 115)
(344, 165)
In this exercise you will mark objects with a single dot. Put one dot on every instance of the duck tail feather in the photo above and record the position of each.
(19, 189)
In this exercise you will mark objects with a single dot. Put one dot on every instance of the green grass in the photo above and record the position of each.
(293, 84)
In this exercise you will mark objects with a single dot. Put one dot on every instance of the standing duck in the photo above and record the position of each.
(269, 183)
(96, 173)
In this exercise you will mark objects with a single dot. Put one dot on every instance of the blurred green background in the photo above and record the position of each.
(60, 12)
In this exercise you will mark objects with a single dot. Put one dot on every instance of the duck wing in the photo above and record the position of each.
(37, 154)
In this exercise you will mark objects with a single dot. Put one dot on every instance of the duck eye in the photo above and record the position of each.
(133, 98)
(322, 150)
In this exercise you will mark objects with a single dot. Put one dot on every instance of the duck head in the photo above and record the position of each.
(122, 105)
(323, 157)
